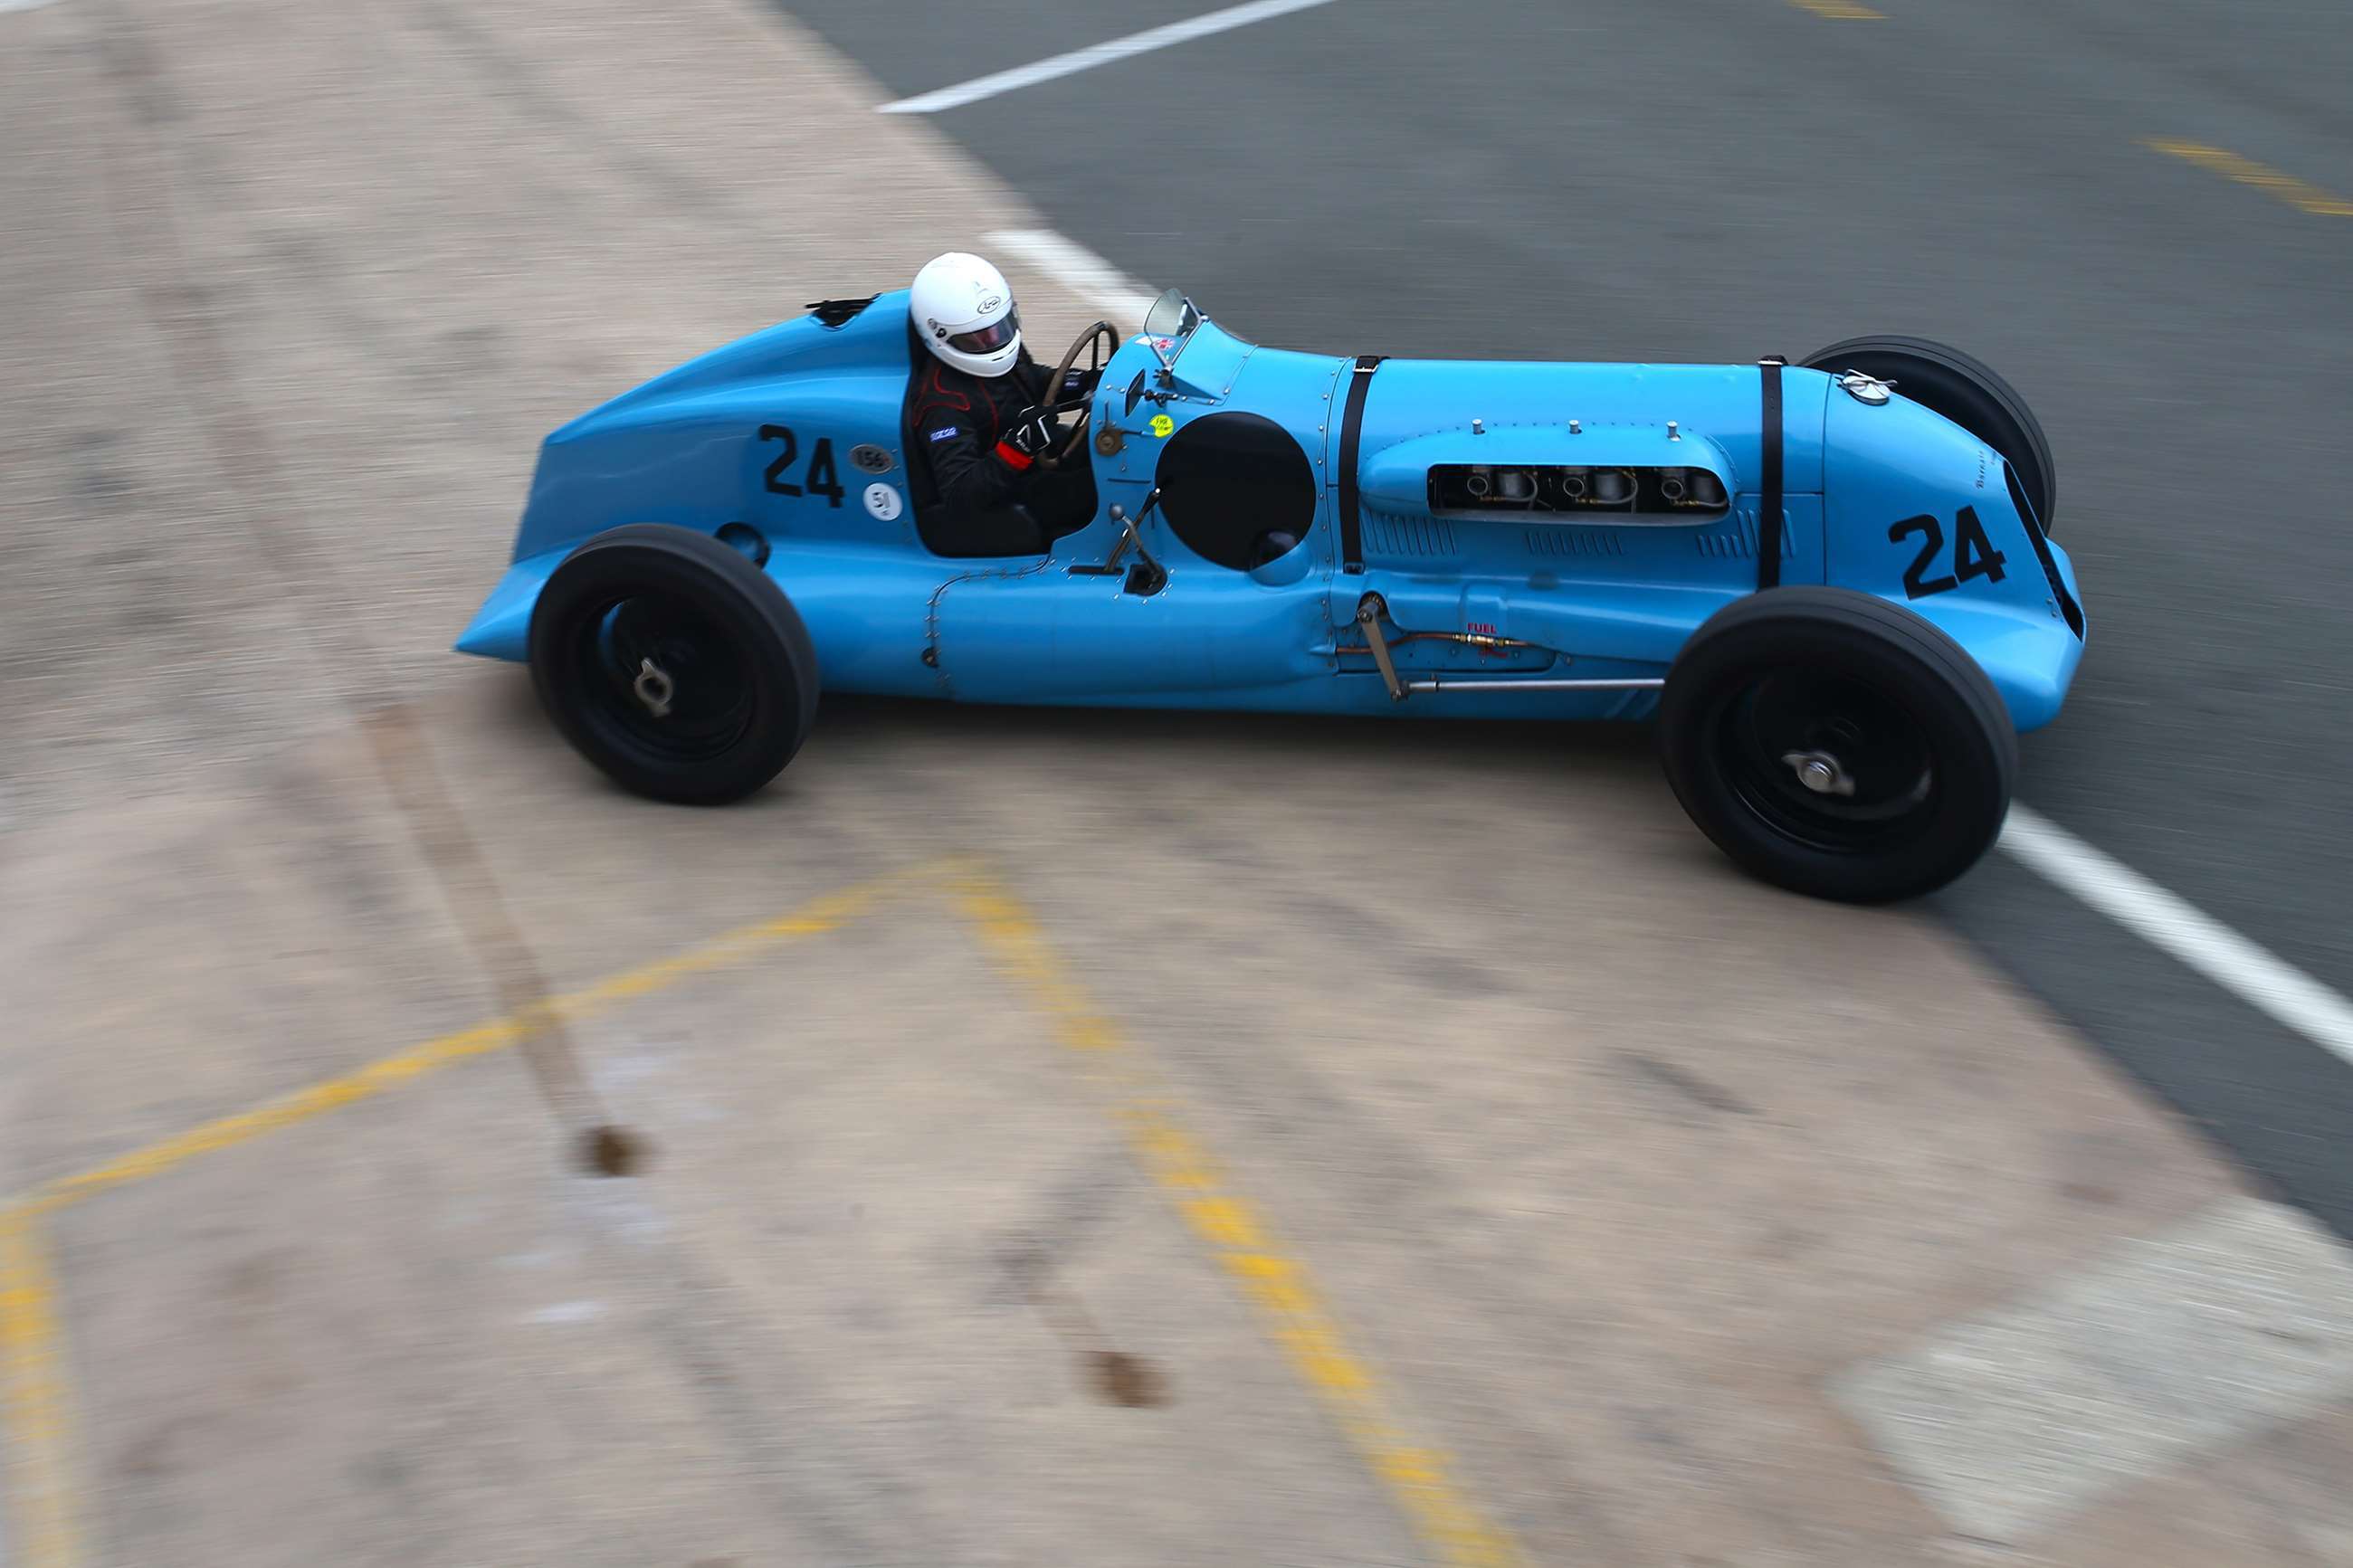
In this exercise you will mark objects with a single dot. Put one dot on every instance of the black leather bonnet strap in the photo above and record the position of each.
(1768, 501)
(1352, 429)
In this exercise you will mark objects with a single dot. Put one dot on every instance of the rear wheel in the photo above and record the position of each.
(1837, 745)
(1964, 390)
(673, 664)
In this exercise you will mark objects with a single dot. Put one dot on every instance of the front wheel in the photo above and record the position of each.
(1836, 744)
(1946, 381)
(673, 664)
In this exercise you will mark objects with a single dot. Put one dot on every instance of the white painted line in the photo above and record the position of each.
(1080, 270)
(569, 1312)
(2130, 1364)
(2264, 982)
(1096, 55)
(7, 6)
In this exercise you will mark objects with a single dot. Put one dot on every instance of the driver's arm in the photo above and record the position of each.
(969, 475)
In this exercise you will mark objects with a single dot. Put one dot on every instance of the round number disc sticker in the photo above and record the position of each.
(882, 502)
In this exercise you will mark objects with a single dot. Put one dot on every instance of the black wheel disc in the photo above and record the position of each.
(1880, 776)
(660, 676)
(1837, 744)
(674, 663)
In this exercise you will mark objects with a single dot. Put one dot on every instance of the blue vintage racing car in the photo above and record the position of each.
(1832, 583)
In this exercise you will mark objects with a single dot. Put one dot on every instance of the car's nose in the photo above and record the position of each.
(1921, 512)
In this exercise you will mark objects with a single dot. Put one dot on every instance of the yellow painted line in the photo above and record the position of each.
(1417, 1477)
(812, 919)
(2247, 172)
(301, 1105)
(33, 1400)
(1839, 10)
(35, 1408)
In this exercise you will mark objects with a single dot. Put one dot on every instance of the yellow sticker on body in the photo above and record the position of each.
(1162, 425)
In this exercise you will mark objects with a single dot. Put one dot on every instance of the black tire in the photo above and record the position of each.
(1964, 390)
(741, 671)
(1834, 673)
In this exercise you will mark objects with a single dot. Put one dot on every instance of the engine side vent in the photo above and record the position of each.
(1737, 540)
(1688, 493)
(1574, 542)
(1395, 538)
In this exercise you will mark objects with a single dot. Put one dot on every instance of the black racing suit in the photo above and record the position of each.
(992, 501)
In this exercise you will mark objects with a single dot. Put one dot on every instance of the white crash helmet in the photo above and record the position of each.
(963, 312)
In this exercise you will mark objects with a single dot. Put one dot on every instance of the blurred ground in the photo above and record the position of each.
(1471, 1166)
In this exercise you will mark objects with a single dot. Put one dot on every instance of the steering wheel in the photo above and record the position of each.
(1099, 342)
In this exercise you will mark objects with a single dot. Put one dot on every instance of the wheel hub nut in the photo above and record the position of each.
(653, 688)
(1819, 772)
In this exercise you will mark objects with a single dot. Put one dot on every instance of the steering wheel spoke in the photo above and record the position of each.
(1098, 343)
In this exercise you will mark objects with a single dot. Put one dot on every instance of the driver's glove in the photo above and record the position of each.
(1078, 384)
(1021, 447)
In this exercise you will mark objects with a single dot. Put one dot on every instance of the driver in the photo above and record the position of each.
(975, 410)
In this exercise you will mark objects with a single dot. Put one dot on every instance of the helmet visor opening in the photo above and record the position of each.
(988, 340)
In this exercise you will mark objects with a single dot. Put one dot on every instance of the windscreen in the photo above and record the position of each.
(1171, 316)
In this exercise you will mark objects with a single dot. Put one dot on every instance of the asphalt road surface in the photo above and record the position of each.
(1719, 179)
